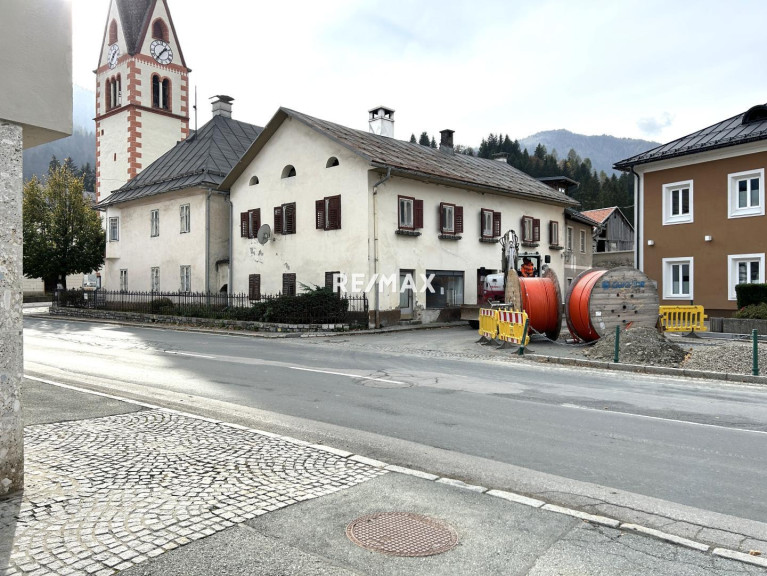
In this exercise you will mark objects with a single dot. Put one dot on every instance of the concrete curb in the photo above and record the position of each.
(455, 483)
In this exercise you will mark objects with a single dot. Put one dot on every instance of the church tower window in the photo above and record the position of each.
(159, 30)
(160, 92)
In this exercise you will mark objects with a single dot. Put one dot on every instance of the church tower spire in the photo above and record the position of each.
(142, 91)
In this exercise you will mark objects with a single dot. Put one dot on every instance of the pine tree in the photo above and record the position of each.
(424, 139)
(412, 139)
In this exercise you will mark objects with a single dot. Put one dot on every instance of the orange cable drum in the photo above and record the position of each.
(541, 299)
(577, 308)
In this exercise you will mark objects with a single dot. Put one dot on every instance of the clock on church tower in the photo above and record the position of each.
(142, 91)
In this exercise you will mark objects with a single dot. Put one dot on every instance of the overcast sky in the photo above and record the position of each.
(653, 69)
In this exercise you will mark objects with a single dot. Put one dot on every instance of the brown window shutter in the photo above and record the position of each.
(278, 220)
(417, 213)
(334, 213)
(254, 286)
(319, 210)
(496, 224)
(459, 219)
(536, 230)
(254, 222)
(288, 284)
(441, 217)
(290, 218)
(244, 225)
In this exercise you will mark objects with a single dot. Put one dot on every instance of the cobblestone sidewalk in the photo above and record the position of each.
(104, 494)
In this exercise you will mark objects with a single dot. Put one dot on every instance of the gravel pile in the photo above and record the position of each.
(727, 357)
(639, 345)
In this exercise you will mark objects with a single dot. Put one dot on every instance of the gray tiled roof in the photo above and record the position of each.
(133, 14)
(203, 159)
(416, 161)
(730, 132)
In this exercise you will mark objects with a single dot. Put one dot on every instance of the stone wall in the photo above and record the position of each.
(11, 361)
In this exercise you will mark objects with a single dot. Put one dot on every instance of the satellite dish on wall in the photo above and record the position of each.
(264, 233)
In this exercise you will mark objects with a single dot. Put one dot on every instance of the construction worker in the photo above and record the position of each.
(528, 270)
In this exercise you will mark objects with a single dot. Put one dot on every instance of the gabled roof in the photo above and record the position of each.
(600, 214)
(413, 161)
(573, 214)
(134, 15)
(202, 160)
(749, 126)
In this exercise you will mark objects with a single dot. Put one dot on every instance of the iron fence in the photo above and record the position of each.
(313, 307)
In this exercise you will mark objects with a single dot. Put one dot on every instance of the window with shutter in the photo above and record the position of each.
(278, 220)
(289, 221)
(244, 225)
(329, 276)
(319, 211)
(254, 286)
(254, 222)
(288, 284)
(527, 229)
(447, 218)
(553, 233)
(405, 213)
(333, 212)
(418, 214)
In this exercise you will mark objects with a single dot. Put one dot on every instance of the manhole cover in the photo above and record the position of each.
(402, 534)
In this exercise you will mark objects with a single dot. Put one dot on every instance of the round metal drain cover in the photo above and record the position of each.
(402, 534)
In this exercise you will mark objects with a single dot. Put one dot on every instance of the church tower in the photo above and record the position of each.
(142, 91)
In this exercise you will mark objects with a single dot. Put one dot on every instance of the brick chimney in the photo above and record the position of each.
(222, 105)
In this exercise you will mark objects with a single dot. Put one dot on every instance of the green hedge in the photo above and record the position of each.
(750, 294)
(753, 312)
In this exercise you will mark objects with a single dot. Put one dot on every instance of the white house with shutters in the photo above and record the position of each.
(342, 202)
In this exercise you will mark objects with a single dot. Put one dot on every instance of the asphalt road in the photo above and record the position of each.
(694, 443)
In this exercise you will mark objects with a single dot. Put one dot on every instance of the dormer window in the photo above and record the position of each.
(289, 171)
(332, 161)
(159, 30)
(112, 32)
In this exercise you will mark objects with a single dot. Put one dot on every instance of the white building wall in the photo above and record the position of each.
(310, 252)
(138, 252)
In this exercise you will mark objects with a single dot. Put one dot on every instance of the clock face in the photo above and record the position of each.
(161, 52)
(113, 55)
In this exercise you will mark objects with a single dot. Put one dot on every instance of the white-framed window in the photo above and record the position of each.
(154, 223)
(406, 212)
(114, 229)
(447, 218)
(744, 269)
(746, 193)
(185, 218)
(155, 279)
(678, 278)
(123, 280)
(583, 241)
(569, 239)
(677, 202)
(553, 233)
(186, 279)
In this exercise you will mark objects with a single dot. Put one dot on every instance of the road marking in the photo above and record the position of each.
(189, 354)
(605, 410)
(348, 375)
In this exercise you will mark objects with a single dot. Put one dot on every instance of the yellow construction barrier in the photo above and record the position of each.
(512, 327)
(682, 319)
(488, 323)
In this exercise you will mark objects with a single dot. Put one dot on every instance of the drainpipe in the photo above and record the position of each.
(637, 220)
(377, 316)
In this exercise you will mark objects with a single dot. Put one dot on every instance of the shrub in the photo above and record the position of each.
(749, 294)
(162, 306)
(753, 311)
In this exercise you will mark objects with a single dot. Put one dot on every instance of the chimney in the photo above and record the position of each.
(446, 142)
(381, 120)
(222, 105)
(501, 157)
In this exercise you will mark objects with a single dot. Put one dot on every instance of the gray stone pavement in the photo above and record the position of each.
(113, 486)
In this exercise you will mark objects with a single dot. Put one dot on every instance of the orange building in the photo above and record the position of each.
(700, 220)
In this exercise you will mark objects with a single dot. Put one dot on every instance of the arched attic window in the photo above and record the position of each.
(159, 30)
(288, 171)
(253, 181)
(112, 32)
(332, 161)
